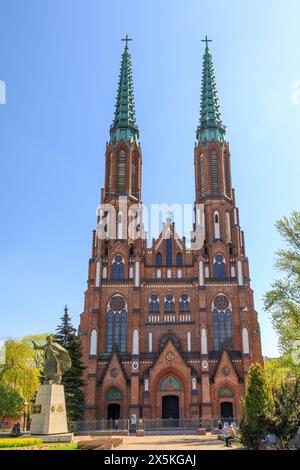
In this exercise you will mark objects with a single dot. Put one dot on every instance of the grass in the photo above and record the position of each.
(50, 446)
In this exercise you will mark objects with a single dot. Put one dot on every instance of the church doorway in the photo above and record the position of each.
(113, 412)
(170, 407)
(227, 411)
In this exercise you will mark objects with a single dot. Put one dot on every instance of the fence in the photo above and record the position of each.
(153, 426)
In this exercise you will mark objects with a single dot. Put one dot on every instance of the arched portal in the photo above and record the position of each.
(113, 411)
(226, 411)
(170, 407)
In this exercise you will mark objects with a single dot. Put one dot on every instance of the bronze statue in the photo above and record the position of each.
(56, 360)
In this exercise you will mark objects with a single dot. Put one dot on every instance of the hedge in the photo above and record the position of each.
(17, 442)
(103, 444)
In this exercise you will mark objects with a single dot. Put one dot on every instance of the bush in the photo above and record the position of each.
(103, 444)
(30, 441)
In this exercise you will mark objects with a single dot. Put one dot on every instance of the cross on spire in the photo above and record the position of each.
(206, 41)
(126, 39)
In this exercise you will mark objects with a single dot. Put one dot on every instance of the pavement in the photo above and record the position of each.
(173, 442)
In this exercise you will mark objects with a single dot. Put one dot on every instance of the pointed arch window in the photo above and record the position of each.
(118, 268)
(169, 304)
(134, 175)
(154, 303)
(219, 267)
(169, 260)
(227, 175)
(179, 259)
(222, 323)
(121, 172)
(202, 175)
(184, 303)
(109, 173)
(158, 259)
(214, 172)
(116, 324)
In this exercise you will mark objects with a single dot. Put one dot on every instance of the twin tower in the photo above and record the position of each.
(170, 330)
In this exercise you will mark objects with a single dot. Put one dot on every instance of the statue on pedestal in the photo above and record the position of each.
(56, 360)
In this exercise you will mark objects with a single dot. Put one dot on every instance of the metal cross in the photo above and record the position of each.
(126, 39)
(206, 41)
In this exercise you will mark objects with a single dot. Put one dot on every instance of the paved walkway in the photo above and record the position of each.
(181, 442)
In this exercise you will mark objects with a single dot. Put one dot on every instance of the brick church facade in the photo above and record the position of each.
(168, 330)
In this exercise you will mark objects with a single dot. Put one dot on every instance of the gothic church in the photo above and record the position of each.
(168, 331)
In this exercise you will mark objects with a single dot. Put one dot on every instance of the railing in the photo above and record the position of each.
(154, 426)
(103, 425)
(182, 426)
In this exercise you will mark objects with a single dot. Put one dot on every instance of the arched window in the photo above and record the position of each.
(245, 337)
(219, 267)
(109, 173)
(184, 303)
(227, 175)
(179, 273)
(116, 327)
(214, 172)
(150, 341)
(169, 273)
(179, 259)
(189, 341)
(158, 259)
(158, 274)
(228, 227)
(169, 304)
(114, 394)
(121, 172)
(166, 338)
(93, 343)
(222, 323)
(201, 175)
(146, 385)
(154, 303)
(131, 272)
(134, 175)
(135, 342)
(217, 225)
(118, 268)
(226, 393)
(169, 260)
(203, 341)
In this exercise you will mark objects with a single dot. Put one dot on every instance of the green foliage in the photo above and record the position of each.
(11, 403)
(72, 379)
(257, 408)
(22, 366)
(277, 371)
(286, 418)
(283, 299)
(16, 430)
(22, 442)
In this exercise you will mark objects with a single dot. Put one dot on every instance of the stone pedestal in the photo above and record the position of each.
(49, 412)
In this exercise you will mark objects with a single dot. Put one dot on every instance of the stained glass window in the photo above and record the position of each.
(158, 259)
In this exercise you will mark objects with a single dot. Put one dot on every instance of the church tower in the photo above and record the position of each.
(168, 330)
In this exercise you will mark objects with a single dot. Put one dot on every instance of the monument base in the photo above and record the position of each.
(49, 411)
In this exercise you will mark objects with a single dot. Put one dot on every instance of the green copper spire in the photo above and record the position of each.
(124, 125)
(210, 125)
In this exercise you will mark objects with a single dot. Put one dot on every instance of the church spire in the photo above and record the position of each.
(210, 125)
(124, 124)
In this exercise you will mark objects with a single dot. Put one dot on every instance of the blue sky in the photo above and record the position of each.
(60, 63)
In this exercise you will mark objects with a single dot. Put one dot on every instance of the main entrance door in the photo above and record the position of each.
(227, 410)
(170, 407)
(113, 411)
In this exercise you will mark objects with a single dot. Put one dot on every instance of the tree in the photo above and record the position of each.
(72, 379)
(22, 366)
(283, 299)
(286, 418)
(257, 407)
(277, 371)
(11, 403)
